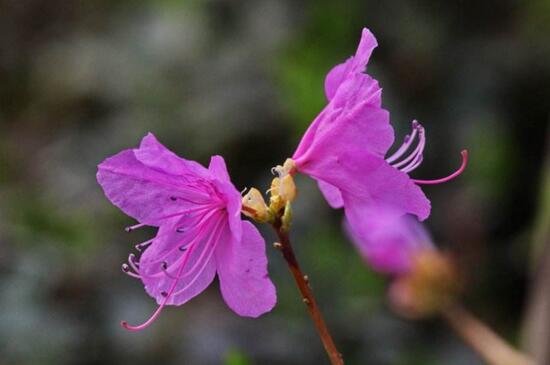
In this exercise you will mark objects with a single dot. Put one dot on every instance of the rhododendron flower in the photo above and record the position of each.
(345, 147)
(200, 232)
(389, 242)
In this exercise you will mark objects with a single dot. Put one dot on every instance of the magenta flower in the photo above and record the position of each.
(345, 147)
(200, 231)
(389, 241)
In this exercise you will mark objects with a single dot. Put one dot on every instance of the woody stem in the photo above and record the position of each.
(302, 282)
(491, 347)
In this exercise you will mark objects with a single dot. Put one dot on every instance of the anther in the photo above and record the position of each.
(125, 268)
(182, 248)
(164, 294)
(164, 265)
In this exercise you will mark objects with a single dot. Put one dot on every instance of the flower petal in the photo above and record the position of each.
(143, 193)
(388, 241)
(231, 195)
(332, 194)
(193, 268)
(335, 77)
(382, 186)
(354, 64)
(155, 155)
(358, 96)
(242, 269)
(218, 168)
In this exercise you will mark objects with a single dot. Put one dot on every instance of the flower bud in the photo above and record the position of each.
(283, 190)
(430, 286)
(254, 206)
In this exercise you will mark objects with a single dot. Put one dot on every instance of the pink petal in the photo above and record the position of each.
(366, 181)
(383, 186)
(335, 77)
(146, 194)
(155, 155)
(192, 268)
(242, 269)
(365, 130)
(232, 197)
(332, 194)
(388, 240)
(358, 96)
(355, 64)
(218, 168)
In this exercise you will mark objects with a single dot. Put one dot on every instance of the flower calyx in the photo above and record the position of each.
(254, 206)
(283, 189)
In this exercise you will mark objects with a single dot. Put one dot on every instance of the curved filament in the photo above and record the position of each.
(464, 154)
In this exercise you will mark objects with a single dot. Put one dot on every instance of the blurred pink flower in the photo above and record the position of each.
(198, 212)
(345, 147)
(389, 242)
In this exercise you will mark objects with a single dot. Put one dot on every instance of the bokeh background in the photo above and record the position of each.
(81, 80)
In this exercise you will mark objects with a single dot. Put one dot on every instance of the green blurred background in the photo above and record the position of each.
(81, 80)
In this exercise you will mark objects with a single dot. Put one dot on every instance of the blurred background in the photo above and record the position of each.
(81, 80)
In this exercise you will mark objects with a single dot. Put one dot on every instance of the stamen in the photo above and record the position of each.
(418, 150)
(141, 246)
(133, 262)
(134, 227)
(464, 154)
(157, 312)
(126, 270)
(413, 165)
(161, 306)
(407, 142)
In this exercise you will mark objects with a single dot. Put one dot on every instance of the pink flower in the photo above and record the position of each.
(345, 147)
(389, 242)
(200, 231)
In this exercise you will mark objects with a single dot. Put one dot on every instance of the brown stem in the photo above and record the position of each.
(492, 348)
(302, 282)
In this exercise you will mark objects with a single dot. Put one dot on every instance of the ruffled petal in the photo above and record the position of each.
(155, 155)
(242, 269)
(332, 194)
(357, 98)
(365, 130)
(355, 64)
(335, 77)
(146, 194)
